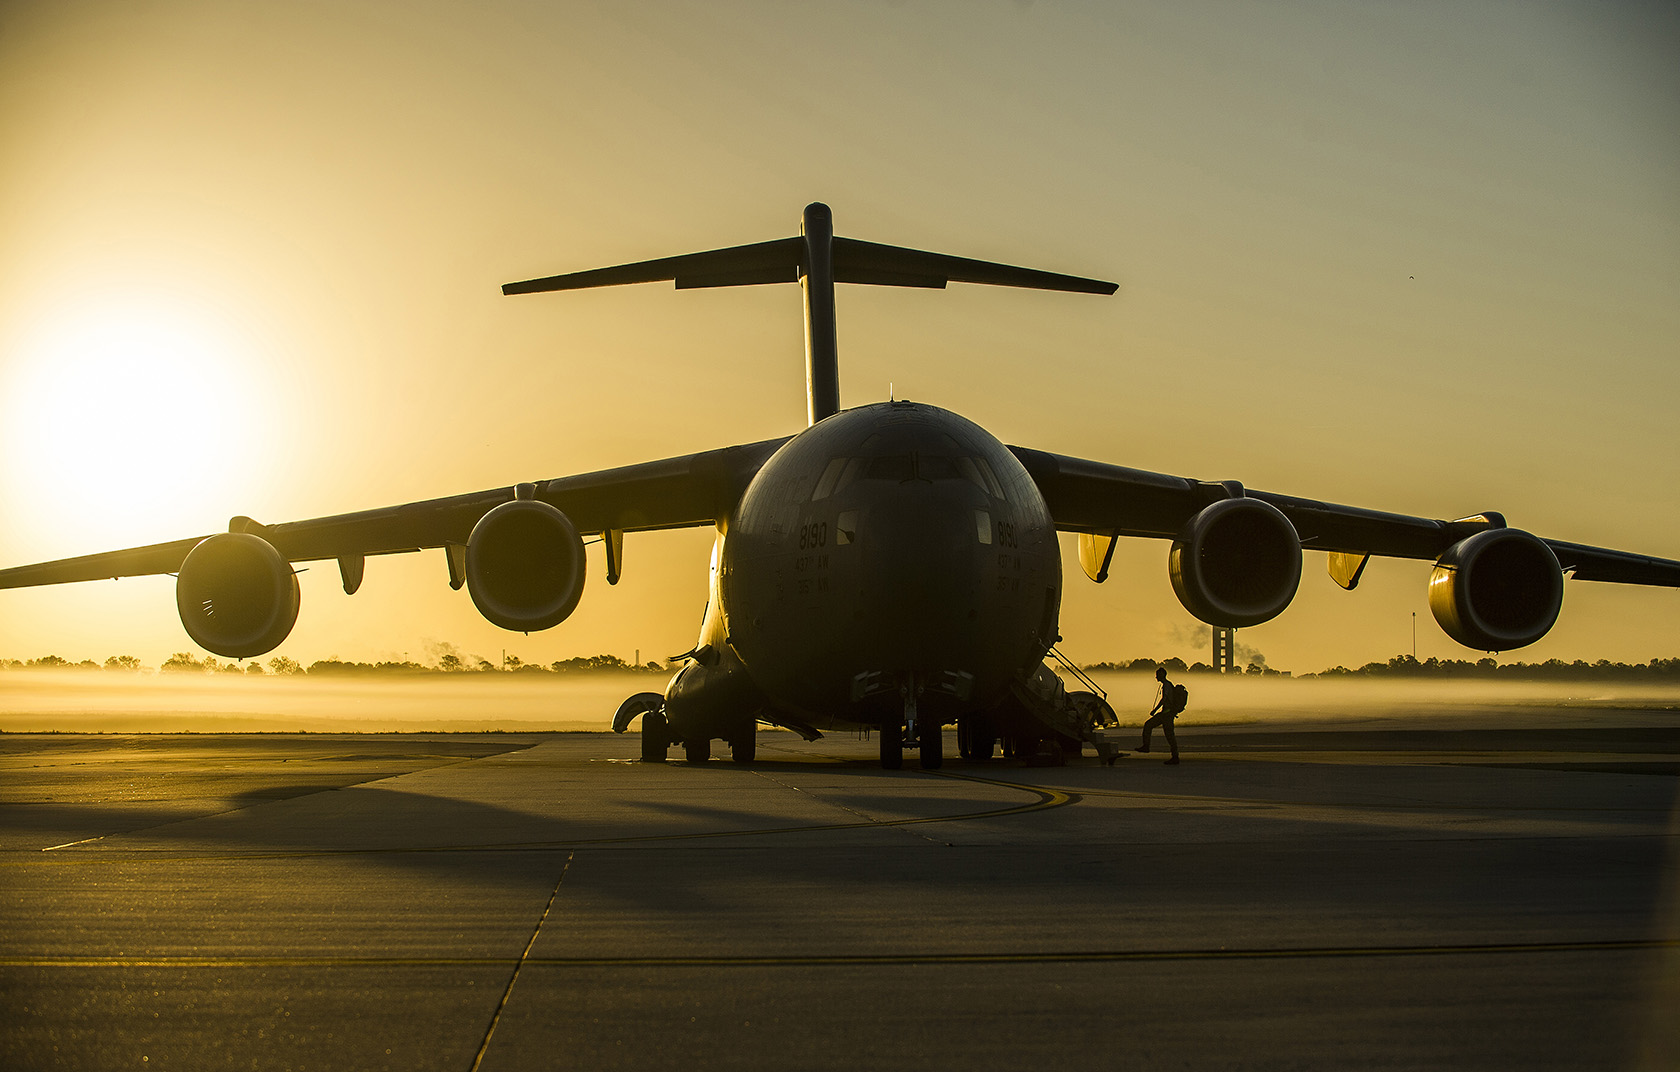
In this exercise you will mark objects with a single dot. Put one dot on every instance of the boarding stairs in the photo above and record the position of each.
(1069, 717)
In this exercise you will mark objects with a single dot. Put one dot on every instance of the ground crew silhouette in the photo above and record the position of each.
(1162, 714)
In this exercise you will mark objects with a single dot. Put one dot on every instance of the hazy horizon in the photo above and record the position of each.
(215, 703)
(431, 662)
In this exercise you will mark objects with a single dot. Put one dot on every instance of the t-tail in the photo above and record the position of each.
(816, 259)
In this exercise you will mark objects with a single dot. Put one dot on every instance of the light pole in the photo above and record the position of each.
(1414, 636)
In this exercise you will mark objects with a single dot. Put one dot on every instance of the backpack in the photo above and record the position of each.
(1178, 696)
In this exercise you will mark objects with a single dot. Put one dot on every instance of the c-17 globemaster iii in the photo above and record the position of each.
(892, 566)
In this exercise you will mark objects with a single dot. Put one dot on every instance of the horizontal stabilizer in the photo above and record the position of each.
(784, 261)
(761, 262)
(896, 266)
(816, 259)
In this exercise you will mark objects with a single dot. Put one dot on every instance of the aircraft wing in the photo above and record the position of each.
(1111, 500)
(682, 492)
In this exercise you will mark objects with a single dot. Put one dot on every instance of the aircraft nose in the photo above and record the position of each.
(919, 568)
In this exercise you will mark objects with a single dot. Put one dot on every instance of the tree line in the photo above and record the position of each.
(452, 662)
(185, 662)
(1407, 666)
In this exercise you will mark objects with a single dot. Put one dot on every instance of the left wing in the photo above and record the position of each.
(693, 490)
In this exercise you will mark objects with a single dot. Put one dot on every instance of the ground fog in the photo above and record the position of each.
(96, 702)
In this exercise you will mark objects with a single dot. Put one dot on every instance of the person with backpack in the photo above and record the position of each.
(1172, 701)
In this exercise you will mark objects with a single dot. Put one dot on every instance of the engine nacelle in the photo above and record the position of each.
(525, 566)
(237, 596)
(1237, 563)
(1497, 590)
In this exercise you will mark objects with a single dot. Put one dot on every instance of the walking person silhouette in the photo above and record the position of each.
(1167, 708)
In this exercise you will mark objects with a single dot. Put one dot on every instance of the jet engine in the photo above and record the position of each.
(1497, 590)
(525, 566)
(1237, 563)
(237, 596)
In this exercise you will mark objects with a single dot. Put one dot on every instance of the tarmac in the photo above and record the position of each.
(1285, 899)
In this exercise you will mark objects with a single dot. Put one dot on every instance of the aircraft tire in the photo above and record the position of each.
(892, 747)
(744, 749)
(932, 747)
(976, 740)
(697, 749)
(656, 737)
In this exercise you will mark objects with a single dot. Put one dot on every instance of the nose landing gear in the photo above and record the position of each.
(932, 742)
(926, 734)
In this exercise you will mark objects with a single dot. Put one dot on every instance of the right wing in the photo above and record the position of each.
(1106, 500)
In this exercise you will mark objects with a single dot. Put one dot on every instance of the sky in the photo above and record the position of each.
(1416, 257)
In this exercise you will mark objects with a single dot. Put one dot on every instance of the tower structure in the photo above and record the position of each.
(1224, 649)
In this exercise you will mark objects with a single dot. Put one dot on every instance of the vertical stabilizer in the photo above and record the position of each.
(816, 279)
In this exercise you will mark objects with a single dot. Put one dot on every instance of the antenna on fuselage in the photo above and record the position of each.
(816, 259)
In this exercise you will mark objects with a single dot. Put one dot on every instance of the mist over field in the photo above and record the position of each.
(88, 702)
(1284, 702)
(103, 702)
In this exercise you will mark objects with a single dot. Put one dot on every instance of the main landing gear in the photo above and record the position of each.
(743, 748)
(892, 746)
(656, 737)
(743, 745)
(976, 737)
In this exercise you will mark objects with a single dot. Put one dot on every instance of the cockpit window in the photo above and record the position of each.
(930, 467)
(899, 467)
(987, 480)
(853, 467)
(903, 468)
(836, 475)
(830, 475)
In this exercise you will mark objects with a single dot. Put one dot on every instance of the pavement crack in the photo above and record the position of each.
(513, 977)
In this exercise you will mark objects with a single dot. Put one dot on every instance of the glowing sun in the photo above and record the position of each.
(129, 417)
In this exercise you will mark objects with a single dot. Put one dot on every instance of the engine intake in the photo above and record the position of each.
(525, 566)
(236, 595)
(1497, 590)
(1237, 563)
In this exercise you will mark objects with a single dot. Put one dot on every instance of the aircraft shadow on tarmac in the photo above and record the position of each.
(1345, 815)
(636, 857)
(315, 817)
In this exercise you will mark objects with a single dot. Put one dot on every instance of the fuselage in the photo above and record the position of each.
(889, 550)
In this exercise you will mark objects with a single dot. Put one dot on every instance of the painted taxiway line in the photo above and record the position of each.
(73, 844)
(843, 960)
